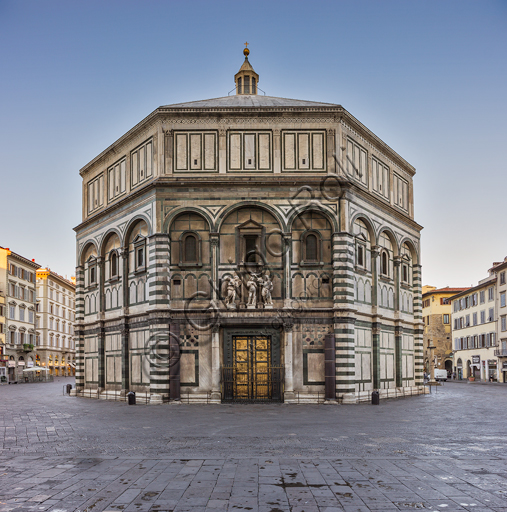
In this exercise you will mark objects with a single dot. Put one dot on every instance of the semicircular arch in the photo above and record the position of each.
(109, 233)
(84, 250)
(368, 223)
(250, 204)
(172, 215)
(312, 208)
(392, 238)
(413, 249)
(133, 223)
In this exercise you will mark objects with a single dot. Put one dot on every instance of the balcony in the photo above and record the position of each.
(501, 352)
(27, 347)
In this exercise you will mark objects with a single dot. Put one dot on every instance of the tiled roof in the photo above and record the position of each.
(250, 101)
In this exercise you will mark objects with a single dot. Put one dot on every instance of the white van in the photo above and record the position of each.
(440, 375)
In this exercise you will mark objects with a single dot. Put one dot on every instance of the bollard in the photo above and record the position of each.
(131, 398)
(375, 398)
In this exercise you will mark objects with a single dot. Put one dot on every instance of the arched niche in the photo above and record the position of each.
(251, 234)
(311, 223)
(186, 228)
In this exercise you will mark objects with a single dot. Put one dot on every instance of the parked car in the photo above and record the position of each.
(440, 375)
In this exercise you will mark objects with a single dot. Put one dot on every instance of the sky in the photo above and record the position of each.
(427, 77)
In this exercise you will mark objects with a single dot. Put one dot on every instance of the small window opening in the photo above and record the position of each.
(325, 280)
(114, 264)
(249, 161)
(176, 282)
(311, 247)
(304, 161)
(93, 275)
(140, 257)
(251, 249)
(195, 161)
(190, 249)
(405, 273)
(384, 268)
(360, 256)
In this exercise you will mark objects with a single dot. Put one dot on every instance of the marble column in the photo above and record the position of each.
(216, 394)
(289, 365)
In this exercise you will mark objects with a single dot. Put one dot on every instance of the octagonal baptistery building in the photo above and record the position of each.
(248, 248)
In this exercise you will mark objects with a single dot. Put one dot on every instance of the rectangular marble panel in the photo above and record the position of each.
(210, 151)
(264, 151)
(110, 179)
(195, 151)
(289, 145)
(136, 369)
(135, 173)
(122, 176)
(149, 159)
(249, 151)
(181, 152)
(315, 367)
(365, 366)
(187, 368)
(142, 163)
(318, 150)
(110, 374)
(303, 151)
(235, 151)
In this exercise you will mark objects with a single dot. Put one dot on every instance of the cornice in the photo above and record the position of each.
(24, 260)
(240, 181)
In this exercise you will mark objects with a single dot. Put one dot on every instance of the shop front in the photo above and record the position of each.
(475, 368)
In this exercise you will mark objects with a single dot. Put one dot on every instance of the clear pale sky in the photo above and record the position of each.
(428, 77)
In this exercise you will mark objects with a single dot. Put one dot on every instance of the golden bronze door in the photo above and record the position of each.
(252, 377)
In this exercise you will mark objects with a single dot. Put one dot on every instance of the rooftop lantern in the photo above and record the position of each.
(246, 78)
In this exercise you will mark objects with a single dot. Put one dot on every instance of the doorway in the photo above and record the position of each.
(252, 372)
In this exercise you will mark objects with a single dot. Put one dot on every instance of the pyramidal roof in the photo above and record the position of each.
(250, 101)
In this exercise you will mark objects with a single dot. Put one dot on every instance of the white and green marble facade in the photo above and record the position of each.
(220, 168)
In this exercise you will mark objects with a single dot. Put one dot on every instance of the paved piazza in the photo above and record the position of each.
(446, 451)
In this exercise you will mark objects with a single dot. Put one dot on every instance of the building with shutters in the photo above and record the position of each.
(17, 284)
(248, 248)
(479, 332)
(56, 297)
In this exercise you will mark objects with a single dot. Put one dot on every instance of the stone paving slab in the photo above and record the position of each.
(300, 485)
(445, 452)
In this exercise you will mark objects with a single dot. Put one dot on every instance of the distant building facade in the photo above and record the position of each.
(249, 248)
(436, 311)
(474, 331)
(17, 282)
(3, 357)
(55, 323)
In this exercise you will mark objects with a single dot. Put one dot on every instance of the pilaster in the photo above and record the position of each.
(289, 363)
(216, 394)
(277, 152)
(158, 275)
(418, 324)
(78, 329)
(287, 277)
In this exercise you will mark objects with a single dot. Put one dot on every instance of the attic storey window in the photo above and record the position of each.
(140, 253)
(190, 249)
(311, 246)
(92, 272)
(113, 264)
